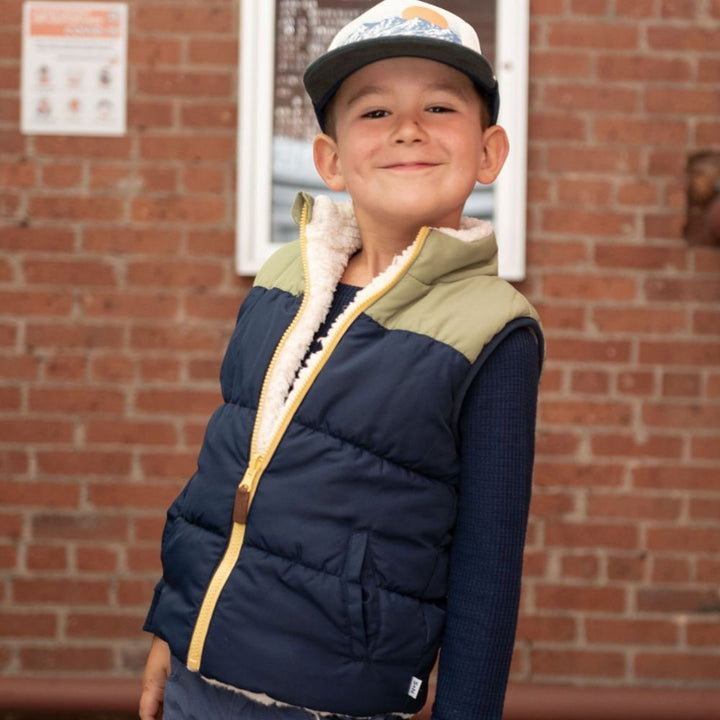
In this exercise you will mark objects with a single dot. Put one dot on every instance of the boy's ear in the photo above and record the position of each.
(495, 149)
(327, 162)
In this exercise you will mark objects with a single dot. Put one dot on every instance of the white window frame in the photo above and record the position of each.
(253, 243)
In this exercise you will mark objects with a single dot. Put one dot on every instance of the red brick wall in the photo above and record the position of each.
(623, 563)
(117, 295)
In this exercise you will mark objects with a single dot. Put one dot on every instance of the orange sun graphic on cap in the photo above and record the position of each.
(435, 18)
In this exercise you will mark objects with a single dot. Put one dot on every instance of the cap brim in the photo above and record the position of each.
(324, 76)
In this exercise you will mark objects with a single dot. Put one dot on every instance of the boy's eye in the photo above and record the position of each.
(375, 114)
(439, 109)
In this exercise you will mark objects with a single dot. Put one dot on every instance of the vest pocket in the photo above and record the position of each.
(357, 597)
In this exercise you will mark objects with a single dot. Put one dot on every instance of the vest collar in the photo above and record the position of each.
(447, 254)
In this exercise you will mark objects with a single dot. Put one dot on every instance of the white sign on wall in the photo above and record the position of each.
(74, 68)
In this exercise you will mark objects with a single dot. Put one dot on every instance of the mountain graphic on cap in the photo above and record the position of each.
(415, 26)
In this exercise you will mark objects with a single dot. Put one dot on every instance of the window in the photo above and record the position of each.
(276, 122)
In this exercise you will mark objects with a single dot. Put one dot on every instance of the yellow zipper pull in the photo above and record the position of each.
(245, 490)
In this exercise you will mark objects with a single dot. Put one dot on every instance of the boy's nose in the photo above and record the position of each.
(409, 129)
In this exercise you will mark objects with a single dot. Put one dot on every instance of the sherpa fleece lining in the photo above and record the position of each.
(332, 238)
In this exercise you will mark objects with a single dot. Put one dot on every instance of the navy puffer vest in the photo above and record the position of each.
(307, 557)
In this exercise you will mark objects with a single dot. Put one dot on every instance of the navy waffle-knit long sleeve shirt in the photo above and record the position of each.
(497, 427)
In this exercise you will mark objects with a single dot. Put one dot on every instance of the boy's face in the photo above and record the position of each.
(409, 143)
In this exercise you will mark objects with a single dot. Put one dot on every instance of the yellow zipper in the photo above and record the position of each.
(330, 346)
(248, 485)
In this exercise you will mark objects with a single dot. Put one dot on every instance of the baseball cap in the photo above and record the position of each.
(401, 28)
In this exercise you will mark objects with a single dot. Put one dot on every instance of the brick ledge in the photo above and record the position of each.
(524, 702)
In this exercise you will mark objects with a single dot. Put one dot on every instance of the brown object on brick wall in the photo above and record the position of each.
(703, 199)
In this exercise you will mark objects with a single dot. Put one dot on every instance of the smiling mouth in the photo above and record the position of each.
(410, 166)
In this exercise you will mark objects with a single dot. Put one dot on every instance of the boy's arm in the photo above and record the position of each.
(497, 427)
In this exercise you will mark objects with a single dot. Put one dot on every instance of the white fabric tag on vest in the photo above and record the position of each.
(415, 685)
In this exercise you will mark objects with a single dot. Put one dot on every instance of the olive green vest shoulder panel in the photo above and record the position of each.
(284, 270)
(465, 314)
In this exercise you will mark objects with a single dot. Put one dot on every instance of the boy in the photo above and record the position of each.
(380, 392)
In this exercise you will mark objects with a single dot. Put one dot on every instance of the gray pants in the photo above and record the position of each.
(189, 697)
